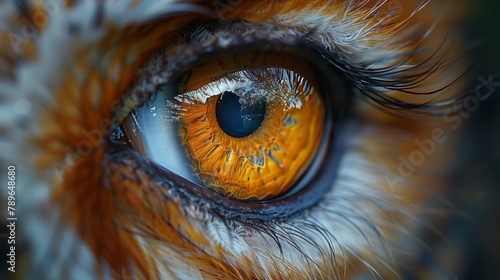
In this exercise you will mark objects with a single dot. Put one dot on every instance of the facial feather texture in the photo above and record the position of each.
(110, 215)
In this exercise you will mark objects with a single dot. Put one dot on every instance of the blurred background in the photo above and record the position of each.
(478, 189)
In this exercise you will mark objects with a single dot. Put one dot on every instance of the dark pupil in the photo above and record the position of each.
(238, 121)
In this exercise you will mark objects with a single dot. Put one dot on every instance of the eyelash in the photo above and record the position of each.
(370, 83)
(274, 221)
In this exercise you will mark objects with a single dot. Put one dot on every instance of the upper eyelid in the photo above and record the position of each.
(186, 50)
(184, 53)
(206, 38)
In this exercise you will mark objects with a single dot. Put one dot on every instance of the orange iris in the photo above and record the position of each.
(271, 159)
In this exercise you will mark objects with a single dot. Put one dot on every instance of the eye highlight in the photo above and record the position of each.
(250, 123)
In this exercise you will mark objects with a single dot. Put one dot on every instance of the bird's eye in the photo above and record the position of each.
(244, 125)
(253, 125)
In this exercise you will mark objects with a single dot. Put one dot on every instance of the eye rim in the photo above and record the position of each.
(319, 176)
(326, 161)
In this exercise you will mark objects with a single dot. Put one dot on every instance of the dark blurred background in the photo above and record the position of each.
(480, 150)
